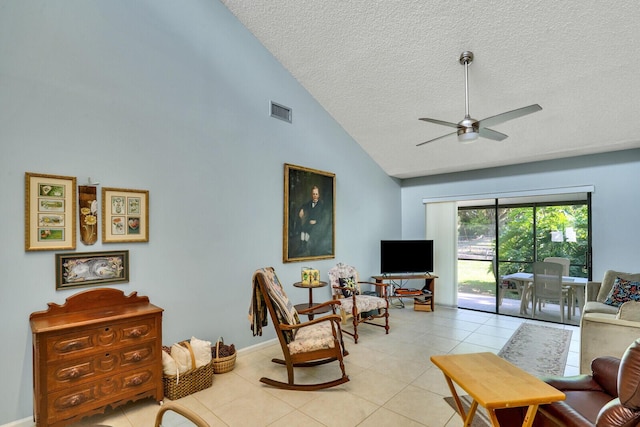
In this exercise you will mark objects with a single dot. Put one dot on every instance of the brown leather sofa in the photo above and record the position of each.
(608, 397)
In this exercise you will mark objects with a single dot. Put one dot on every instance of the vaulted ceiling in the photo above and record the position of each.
(377, 66)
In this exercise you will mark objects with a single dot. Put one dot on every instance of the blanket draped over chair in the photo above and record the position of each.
(257, 309)
(285, 311)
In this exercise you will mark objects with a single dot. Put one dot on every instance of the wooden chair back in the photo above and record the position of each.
(280, 307)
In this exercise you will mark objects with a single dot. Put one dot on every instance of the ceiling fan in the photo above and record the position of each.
(469, 129)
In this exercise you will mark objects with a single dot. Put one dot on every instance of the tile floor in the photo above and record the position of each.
(392, 380)
(550, 312)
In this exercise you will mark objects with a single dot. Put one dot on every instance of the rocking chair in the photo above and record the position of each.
(304, 344)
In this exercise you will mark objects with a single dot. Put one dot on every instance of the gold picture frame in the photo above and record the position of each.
(309, 228)
(91, 268)
(125, 215)
(50, 212)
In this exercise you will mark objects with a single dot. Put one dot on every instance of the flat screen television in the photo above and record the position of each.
(406, 256)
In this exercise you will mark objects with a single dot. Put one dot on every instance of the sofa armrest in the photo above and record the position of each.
(629, 310)
(603, 335)
(592, 290)
(574, 383)
(605, 373)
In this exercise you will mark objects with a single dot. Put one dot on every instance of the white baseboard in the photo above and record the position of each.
(25, 422)
(254, 347)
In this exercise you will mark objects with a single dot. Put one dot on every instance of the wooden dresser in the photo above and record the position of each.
(99, 348)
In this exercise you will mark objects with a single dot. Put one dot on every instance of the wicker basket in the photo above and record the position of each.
(177, 386)
(223, 357)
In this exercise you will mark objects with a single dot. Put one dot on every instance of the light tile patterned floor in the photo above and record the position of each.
(510, 306)
(392, 380)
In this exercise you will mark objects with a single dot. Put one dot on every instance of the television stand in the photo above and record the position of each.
(425, 295)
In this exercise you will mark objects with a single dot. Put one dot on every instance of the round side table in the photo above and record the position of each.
(306, 306)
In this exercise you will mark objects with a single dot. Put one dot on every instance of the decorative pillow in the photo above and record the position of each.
(607, 282)
(182, 357)
(623, 291)
(348, 285)
(201, 351)
(168, 364)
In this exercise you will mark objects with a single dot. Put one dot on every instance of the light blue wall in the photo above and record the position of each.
(615, 201)
(171, 97)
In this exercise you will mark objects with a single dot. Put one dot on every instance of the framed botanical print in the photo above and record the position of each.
(309, 214)
(50, 212)
(125, 215)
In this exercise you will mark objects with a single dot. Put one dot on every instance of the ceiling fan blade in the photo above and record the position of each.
(435, 139)
(440, 122)
(492, 134)
(509, 115)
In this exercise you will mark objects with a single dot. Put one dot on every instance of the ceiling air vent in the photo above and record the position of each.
(280, 112)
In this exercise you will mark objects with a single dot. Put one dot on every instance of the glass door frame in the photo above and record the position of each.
(499, 203)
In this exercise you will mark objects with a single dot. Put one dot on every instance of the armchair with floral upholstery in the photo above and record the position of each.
(354, 304)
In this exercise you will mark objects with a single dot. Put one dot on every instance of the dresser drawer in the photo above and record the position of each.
(97, 339)
(67, 373)
(65, 403)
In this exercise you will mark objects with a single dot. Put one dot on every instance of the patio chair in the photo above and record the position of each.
(547, 286)
(564, 262)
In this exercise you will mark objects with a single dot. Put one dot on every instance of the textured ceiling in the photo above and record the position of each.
(377, 66)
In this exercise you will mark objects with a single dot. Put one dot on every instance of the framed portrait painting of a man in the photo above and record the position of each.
(309, 214)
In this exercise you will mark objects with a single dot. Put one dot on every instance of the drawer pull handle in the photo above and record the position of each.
(135, 333)
(137, 381)
(74, 373)
(136, 357)
(72, 345)
(76, 400)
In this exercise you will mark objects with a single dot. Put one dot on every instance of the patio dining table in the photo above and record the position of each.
(525, 280)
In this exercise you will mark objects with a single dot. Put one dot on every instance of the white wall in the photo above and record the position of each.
(171, 97)
(615, 201)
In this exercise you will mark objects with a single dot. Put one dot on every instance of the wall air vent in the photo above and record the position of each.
(280, 112)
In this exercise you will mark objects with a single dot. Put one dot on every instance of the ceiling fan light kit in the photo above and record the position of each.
(467, 137)
(469, 129)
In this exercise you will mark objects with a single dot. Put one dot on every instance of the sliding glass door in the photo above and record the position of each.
(563, 231)
(504, 236)
(476, 258)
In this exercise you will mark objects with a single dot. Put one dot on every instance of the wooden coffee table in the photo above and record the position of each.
(494, 383)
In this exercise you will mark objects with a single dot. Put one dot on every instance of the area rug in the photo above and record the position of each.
(539, 350)
(479, 420)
